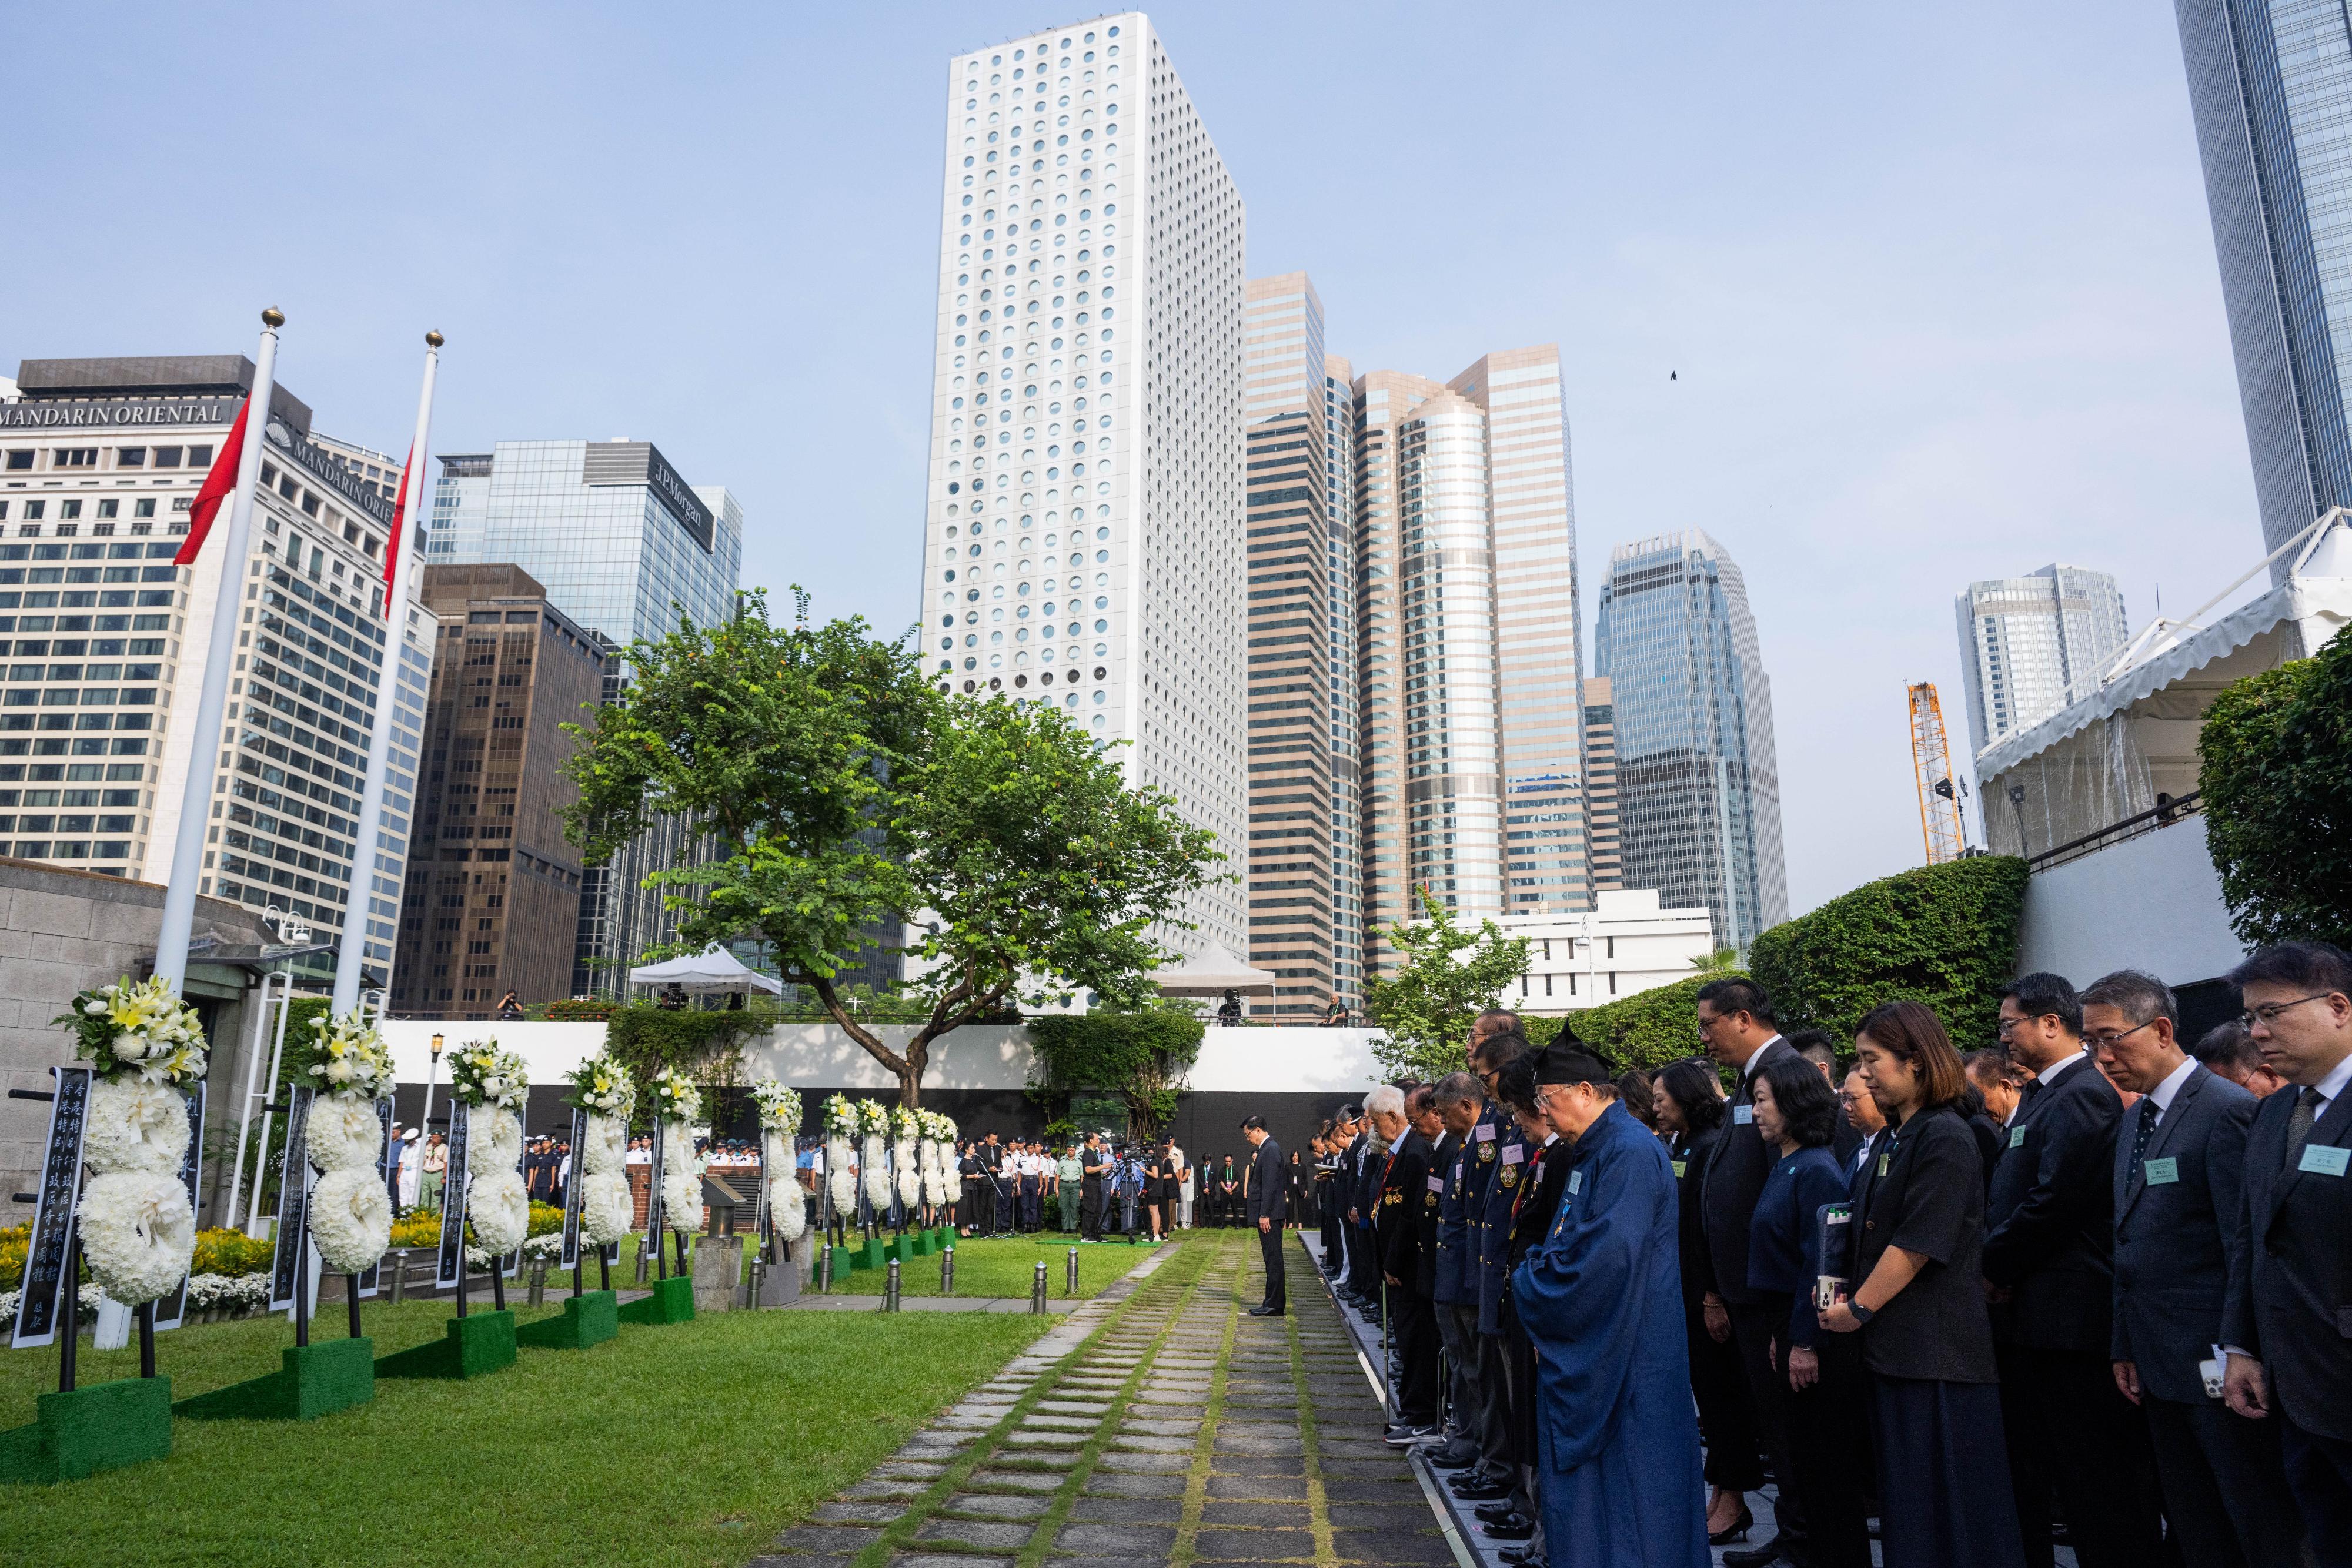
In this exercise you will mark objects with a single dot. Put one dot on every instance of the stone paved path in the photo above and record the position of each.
(1158, 1423)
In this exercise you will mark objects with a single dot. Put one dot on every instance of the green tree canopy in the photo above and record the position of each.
(842, 787)
(2277, 756)
(1141, 1057)
(1449, 977)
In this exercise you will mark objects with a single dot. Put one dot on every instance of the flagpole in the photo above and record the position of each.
(353, 958)
(196, 792)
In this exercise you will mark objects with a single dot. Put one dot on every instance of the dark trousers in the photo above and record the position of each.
(1332, 1253)
(1753, 1326)
(1091, 1209)
(2069, 1430)
(1461, 1394)
(1413, 1328)
(1727, 1420)
(1269, 1245)
(2225, 1481)
(1826, 1440)
(2320, 1470)
(1491, 1424)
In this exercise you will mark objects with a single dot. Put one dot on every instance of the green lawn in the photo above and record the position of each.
(686, 1445)
(989, 1267)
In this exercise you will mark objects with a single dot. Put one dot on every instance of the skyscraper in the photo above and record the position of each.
(1698, 790)
(2031, 644)
(1082, 536)
(2268, 82)
(625, 547)
(1601, 785)
(1469, 665)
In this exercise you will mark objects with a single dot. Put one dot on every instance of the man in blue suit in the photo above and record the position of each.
(2287, 1326)
(2179, 1177)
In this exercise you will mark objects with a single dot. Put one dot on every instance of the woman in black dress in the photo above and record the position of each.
(1294, 1196)
(1918, 1236)
(1688, 1102)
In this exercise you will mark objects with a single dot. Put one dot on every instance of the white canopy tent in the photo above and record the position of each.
(1213, 973)
(712, 969)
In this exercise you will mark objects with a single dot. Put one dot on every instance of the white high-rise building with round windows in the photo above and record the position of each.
(1084, 526)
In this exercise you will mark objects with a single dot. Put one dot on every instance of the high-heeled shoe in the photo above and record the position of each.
(1736, 1531)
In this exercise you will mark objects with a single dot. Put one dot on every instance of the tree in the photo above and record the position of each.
(844, 789)
(1141, 1057)
(1425, 1010)
(2277, 751)
(1722, 961)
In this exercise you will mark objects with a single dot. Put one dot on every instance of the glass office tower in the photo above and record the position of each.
(1698, 793)
(2269, 84)
(2031, 644)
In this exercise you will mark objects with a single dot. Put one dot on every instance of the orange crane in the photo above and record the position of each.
(1939, 793)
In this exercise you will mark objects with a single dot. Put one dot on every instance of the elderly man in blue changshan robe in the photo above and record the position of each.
(1601, 1301)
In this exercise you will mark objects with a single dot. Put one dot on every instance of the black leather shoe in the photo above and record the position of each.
(1762, 1556)
(1477, 1488)
(1266, 1311)
(1517, 1527)
(1493, 1512)
(1445, 1457)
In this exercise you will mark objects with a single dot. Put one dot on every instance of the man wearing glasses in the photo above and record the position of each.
(2286, 1326)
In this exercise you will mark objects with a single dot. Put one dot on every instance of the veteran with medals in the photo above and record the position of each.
(1601, 1301)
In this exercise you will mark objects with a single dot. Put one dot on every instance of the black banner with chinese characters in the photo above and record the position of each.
(293, 1202)
(53, 1213)
(761, 1221)
(387, 1170)
(453, 1199)
(174, 1307)
(572, 1188)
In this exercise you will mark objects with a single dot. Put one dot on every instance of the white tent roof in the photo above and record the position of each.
(712, 969)
(1213, 973)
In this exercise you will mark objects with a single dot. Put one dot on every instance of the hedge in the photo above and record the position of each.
(705, 1044)
(1943, 935)
(1141, 1057)
(2276, 750)
(1647, 1030)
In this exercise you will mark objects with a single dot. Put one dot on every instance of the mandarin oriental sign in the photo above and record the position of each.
(119, 416)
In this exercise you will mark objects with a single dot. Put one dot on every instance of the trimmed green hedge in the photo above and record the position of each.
(2276, 750)
(1140, 1057)
(708, 1045)
(1943, 935)
(1647, 1030)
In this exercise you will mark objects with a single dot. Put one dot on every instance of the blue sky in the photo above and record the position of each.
(1937, 282)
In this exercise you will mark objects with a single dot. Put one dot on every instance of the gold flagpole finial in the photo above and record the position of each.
(273, 318)
(433, 340)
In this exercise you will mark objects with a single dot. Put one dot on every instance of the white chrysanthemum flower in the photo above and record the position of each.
(350, 1218)
(137, 1234)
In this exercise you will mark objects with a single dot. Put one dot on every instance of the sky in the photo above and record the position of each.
(1886, 298)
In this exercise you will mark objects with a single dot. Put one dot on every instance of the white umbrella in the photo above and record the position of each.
(712, 969)
(1213, 973)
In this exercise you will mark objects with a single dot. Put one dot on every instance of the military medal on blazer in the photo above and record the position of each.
(1509, 1175)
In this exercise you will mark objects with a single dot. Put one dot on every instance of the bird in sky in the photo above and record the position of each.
(1673, 375)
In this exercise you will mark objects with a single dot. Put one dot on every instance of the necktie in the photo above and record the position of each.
(2298, 1125)
(2032, 1087)
(2140, 1136)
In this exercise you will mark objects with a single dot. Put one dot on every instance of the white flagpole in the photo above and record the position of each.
(196, 794)
(353, 958)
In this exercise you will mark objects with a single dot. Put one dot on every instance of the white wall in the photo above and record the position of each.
(2151, 903)
(549, 1050)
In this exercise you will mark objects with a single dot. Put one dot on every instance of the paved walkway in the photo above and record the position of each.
(1158, 1423)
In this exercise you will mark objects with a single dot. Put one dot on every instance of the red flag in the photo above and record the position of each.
(218, 483)
(391, 551)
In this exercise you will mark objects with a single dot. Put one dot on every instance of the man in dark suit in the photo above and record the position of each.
(1266, 1212)
(1094, 1164)
(2179, 1175)
(1814, 1046)
(2048, 1275)
(2287, 1323)
(1735, 1018)
(1396, 1232)
(1363, 1281)
(1453, 1271)
(1862, 1114)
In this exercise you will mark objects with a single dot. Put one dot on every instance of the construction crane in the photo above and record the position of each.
(1940, 792)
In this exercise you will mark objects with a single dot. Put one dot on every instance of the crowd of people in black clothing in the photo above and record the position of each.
(2091, 1285)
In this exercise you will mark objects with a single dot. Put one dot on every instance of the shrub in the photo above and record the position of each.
(1140, 1057)
(1647, 1030)
(2276, 750)
(1942, 935)
(230, 1253)
(15, 1243)
(583, 1010)
(706, 1045)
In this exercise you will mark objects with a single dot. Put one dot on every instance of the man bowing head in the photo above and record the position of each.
(1601, 1301)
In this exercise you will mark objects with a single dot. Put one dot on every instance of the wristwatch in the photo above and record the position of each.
(1861, 1314)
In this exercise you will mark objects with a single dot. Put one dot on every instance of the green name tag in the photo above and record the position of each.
(2321, 1160)
(2016, 1137)
(1883, 1161)
(1680, 1166)
(2163, 1171)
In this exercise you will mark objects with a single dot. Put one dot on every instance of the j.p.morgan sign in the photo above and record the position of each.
(118, 415)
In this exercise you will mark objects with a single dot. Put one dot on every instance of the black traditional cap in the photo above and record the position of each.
(1559, 1064)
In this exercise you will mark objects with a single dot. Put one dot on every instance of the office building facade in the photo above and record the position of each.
(2270, 82)
(1698, 789)
(1625, 944)
(100, 461)
(2031, 644)
(1085, 512)
(1469, 664)
(493, 894)
(624, 547)
(1607, 847)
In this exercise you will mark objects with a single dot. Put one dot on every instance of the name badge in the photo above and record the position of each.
(1437, 1184)
(1883, 1161)
(2163, 1172)
(2321, 1160)
(1681, 1168)
(1484, 1133)
(1513, 1153)
(1741, 1115)
(1575, 1181)
(2016, 1137)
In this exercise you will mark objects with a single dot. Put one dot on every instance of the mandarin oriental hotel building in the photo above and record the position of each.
(1085, 521)
(103, 641)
